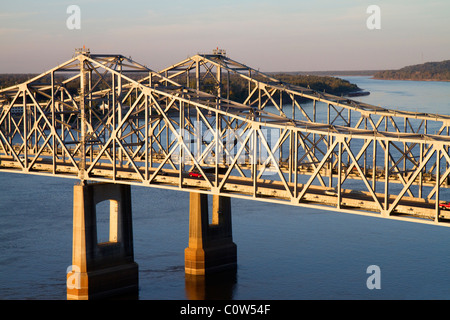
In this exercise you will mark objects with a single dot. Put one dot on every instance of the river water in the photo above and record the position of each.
(283, 252)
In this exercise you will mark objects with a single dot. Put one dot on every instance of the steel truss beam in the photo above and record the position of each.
(212, 72)
(103, 121)
(205, 71)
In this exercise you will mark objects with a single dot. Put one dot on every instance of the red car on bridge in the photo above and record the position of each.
(195, 174)
(445, 206)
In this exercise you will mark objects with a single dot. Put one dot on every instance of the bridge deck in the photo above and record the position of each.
(352, 201)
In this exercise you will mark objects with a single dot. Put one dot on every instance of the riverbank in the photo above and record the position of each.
(429, 71)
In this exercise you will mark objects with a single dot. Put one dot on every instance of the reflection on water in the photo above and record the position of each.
(219, 286)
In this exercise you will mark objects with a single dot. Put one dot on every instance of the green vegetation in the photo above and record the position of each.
(436, 71)
(328, 84)
(10, 79)
(238, 86)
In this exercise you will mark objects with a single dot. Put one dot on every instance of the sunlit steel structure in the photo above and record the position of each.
(107, 118)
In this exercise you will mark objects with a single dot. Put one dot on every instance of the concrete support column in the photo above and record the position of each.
(107, 269)
(211, 248)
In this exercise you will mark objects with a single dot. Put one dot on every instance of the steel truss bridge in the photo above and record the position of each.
(107, 118)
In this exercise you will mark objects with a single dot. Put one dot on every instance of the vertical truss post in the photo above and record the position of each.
(374, 164)
(218, 154)
(82, 119)
(291, 151)
(228, 84)
(118, 92)
(254, 155)
(421, 171)
(25, 129)
(197, 75)
(219, 84)
(114, 123)
(295, 164)
(53, 129)
(339, 196)
(438, 180)
(386, 178)
(147, 136)
(180, 144)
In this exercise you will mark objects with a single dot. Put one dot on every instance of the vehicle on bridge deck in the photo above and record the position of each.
(194, 173)
(445, 206)
(331, 192)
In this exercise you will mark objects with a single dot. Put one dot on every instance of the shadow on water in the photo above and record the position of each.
(220, 286)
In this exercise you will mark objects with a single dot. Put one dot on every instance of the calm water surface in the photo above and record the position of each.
(283, 252)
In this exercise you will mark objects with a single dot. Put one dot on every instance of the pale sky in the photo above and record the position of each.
(281, 35)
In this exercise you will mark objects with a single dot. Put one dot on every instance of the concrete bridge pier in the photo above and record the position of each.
(107, 269)
(211, 248)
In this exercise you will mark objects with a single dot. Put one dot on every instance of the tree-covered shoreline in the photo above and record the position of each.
(238, 85)
(329, 84)
(429, 71)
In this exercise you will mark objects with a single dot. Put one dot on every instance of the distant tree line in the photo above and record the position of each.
(238, 86)
(437, 71)
(10, 79)
(328, 84)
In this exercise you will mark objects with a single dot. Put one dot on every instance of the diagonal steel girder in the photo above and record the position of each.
(124, 128)
(212, 72)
